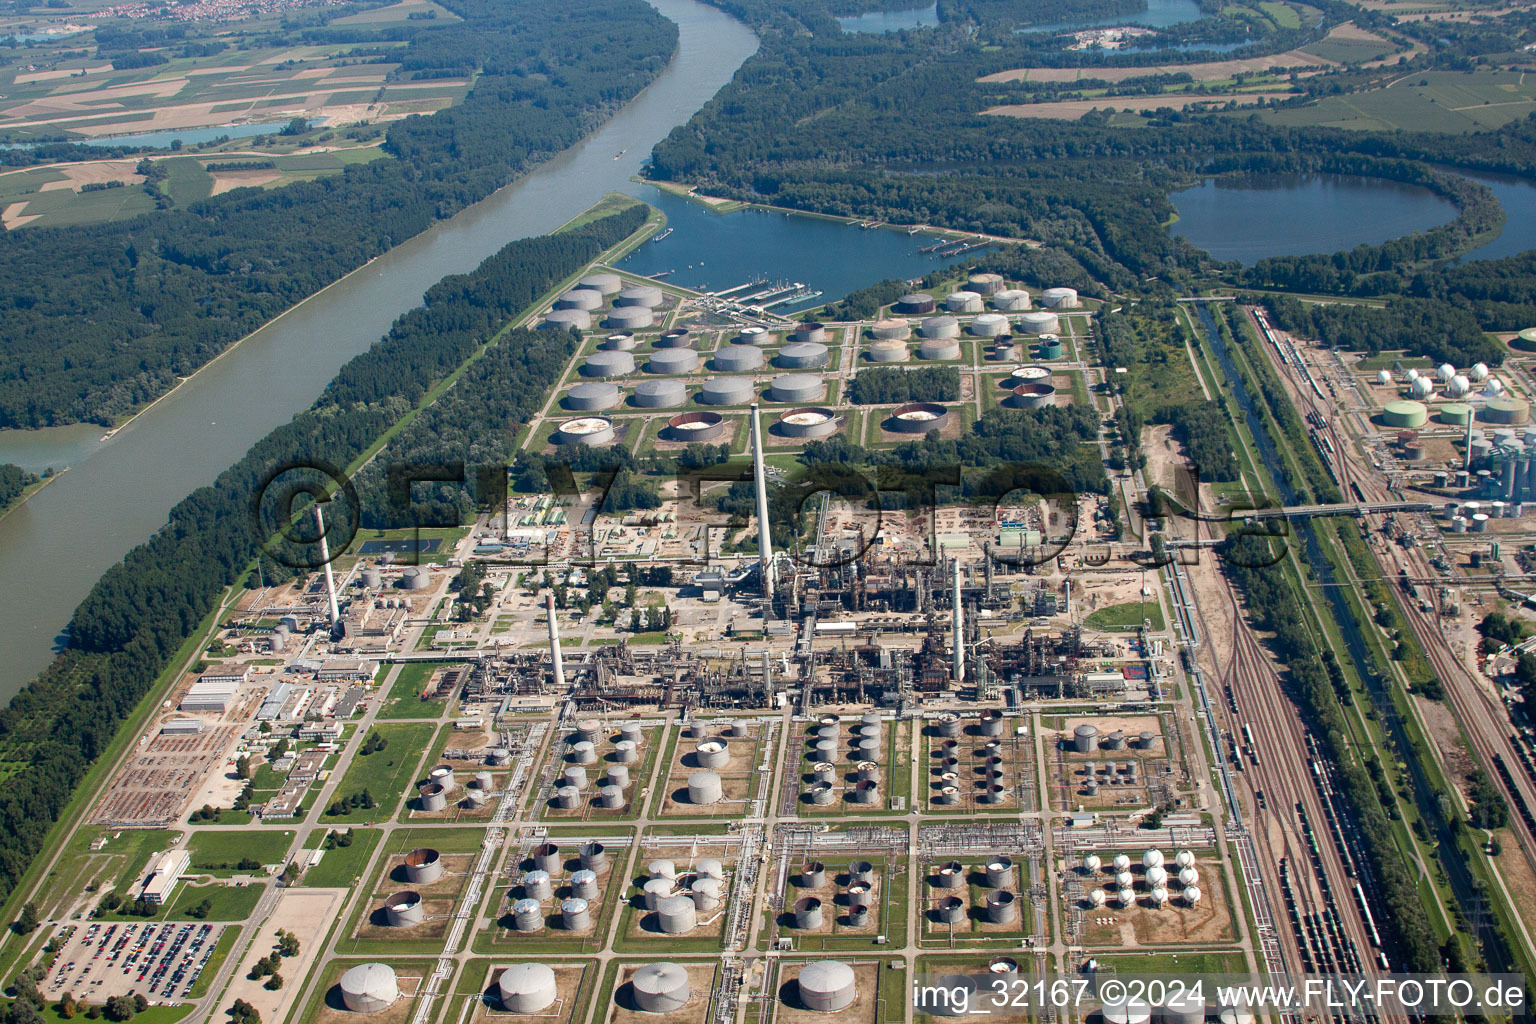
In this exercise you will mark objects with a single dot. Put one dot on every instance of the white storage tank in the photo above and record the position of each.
(796, 387)
(807, 422)
(630, 318)
(937, 349)
(737, 359)
(609, 363)
(802, 355)
(891, 328)
(569, 319)
(526, 988)
(1059, 298)
(661, 988)
(939, 327)
(984, 283)
(579, 298)
(727, 391)
(644, 295)
(369, 988)
(888, 351)
(1040, 322)
(659, 394)
(605, 284)
(589, 430)
(1011, 300)
(827, 986)
(677, 915)
(672, 360)
(593, 396)
(963, 302)
(704, 788)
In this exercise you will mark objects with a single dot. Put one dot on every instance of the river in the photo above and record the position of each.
(117, 492)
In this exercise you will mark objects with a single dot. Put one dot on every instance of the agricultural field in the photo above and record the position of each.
(1446, 101)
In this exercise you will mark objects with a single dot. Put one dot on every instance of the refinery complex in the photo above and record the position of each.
(745, 779)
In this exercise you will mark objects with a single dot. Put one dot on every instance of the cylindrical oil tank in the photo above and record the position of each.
(951, 910)
(655, 890)
(575, 915)
(1059, 298)
(619, 341)
(661, 988)
(695, 427)
(993, 723)
(1182, 1007)
(712, 753)
(584, 884)
(865, 748)
(579, 298)
(645, 295)
(664, 869)
(526, 988)
(940, 328)
(604, 283)
(630, 318)
(677, 915)
(861, 872)
(624, 752)
(1040, 322)
(593, 856)
(826, 749)
(1406, 414)
(989, 325)
(537, 885)
(949, 724)
(858, 915)
(1505, 409)
(706, 894)
(1085, 739)
(807, 422)
(1011, 300)
(891, 328)
(588, 430)
(866, 771)
(568, 319)
(498, 757)
(810, 330)
(807, 913)
(866, 792)
(608, 364)
(677, 337)
(737, 730)
(567, 798)
(887, 351)
(632, 732)
(860, 895)
(610, 796)
(821, 793)
(527, 915)
(999, 872)
(938, 349)
(948, 795)
(373, 579)
(423, 866)
(404, 909)
(1147, 740)
(1002, 907)
(546, 857)
(915, 304)
(984, 283)
(755, 336)
(963, 302)
(710, 867)
(433, 798)
(1050, 347)
(1114, 741)
(704, 788)
(369, 988)
(827, 986)
(574, 775)
(737, 359)
(593, 396)
(950, 875)
(1124, 1010)
(659, 394)
(672, 360)
(727, 391)
(813, 875)
(802, 355)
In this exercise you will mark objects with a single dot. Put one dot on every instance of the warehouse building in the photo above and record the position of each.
(210, 694)
(165, 870)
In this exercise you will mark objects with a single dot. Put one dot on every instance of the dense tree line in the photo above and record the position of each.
(141, 610)
(1272, 606)
(98, 319)
(1206, 435)
(13, 483)
(889, 385)
(1445, 333)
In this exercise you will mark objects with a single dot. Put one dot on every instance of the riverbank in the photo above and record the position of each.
(28, 491)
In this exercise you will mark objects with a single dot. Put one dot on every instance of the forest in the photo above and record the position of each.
(138, 614)
(14, 482)
(888, 385)
(96, 320)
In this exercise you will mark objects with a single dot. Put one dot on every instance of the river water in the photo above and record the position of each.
(117, 492)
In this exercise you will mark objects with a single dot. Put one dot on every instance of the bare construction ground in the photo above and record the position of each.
(307, 913)
(1071, 110)
(1209, 71)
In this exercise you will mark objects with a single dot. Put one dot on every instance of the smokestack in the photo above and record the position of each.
(330, 578)
(554, 642)
(1468, 465)
(959, 638)
(759, 479)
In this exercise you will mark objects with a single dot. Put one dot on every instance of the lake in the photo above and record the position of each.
(1159, 14)
(891, 21)
(192, 136)
(1247, 219)
(708, 251)
(1518, 198)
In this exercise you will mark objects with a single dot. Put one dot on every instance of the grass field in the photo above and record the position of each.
(385, 773)
(1126, 616)
(210, 849)
(342, 866)
(228, 902)
(1442, 101)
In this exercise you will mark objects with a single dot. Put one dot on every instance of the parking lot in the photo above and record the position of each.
(160, 961)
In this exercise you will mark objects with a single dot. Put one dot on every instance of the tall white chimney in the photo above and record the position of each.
(554, 642)
(760, 481)
(959, 637)
(330, 578)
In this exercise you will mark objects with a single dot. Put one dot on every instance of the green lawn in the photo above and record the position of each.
(385, 773)
(228, 902)
(342, 865)
(218, 852)
(1126, 616)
